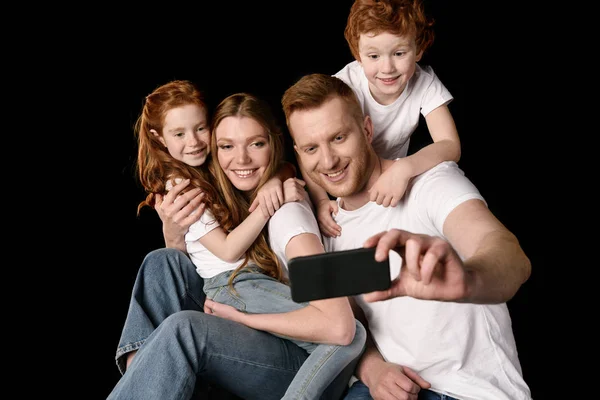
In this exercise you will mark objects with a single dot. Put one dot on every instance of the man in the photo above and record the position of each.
(454, 251)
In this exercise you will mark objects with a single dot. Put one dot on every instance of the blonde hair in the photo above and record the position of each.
(236, 203)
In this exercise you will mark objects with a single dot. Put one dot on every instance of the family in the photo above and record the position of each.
(214, 308)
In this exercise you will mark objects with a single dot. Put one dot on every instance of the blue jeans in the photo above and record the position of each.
(360, 391)
(258, 293)
(179, 346)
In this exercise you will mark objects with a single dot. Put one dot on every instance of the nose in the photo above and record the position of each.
(194, 140)
(329, 158)
(242, 156)
(387, 65)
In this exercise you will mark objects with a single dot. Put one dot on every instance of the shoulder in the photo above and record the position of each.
(351, 73)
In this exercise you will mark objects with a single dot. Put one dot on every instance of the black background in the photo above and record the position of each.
(263, 48)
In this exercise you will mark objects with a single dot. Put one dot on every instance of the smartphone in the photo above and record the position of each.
(337, 274)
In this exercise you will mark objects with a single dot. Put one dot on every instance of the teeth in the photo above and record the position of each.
(333, 175)
(244, 172)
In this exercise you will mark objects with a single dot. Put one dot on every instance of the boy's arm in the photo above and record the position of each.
(391, 185)
(445, 146)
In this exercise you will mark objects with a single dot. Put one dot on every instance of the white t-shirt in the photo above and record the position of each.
(207, 264)
(466, 351)
(396, 122)
(290, 220)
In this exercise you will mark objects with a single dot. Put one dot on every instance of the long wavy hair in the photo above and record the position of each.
(399, 17)
(155, 166)
(236, 202)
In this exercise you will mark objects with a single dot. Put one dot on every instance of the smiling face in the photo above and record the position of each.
(389, 61)
(186, 135)
(333, 146)
(243, 151)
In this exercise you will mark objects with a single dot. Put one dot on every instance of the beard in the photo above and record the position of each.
(357, 173)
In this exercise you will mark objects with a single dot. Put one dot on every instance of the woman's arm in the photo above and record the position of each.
(328, 321)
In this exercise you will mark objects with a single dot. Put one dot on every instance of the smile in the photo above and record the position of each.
(195, 153)
(336, 175)
(244, 173)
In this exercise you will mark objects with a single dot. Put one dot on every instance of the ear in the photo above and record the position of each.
(419, 55)
(160, 138)
(296, 148)
(368, 127)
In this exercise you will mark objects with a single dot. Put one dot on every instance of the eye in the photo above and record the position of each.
(259, 144)
(310, 150)
(373, 56)
(225, 147)
(399, 53)
(201, 128)
(179, 134)
(339, 138)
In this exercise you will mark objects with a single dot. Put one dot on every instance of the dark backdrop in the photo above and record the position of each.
(263, 48)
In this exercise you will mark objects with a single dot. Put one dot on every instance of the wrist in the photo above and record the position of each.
(367, 368)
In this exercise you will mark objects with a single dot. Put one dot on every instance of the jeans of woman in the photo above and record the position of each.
(360, 391)
(258, 293)
(179, 345)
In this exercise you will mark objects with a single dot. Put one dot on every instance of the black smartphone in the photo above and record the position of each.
(337, 274)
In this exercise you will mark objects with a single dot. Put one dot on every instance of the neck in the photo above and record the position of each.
(361, 197)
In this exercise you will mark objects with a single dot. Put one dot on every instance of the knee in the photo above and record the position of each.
(161, 261)
(185, 324)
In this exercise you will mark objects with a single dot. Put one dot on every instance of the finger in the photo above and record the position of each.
(373, 194)
(326, 230)
(394, 202)
(395, 290)
(179, 187)
(301, 182)
(275, 201)
(280, 197)
(334, 208)
(386, 241)
(373, 240)
(253, 205)
(265, 209)
(416, 378)
(270, 206)
(412, 256)
(333, 226)
(436, 252)
(386, 201)
(158, 200)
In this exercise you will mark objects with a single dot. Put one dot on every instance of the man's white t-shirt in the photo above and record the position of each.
(394, 123)
(466, 351)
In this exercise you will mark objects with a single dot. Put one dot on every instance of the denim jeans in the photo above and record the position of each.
(360, 391)
(257, 293)
(179, 346)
